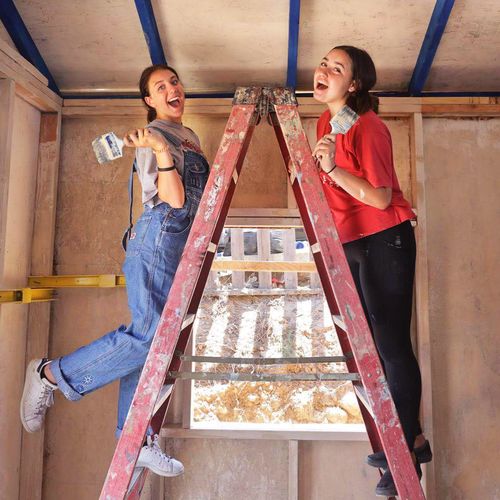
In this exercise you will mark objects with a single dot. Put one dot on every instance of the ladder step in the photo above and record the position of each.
(263, 361)
(337, 320)
(361, 393)
(264, 377)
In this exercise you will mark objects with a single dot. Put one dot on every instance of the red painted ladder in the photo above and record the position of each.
(279, 105)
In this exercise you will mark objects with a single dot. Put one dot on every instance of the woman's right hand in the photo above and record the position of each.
(145, 138)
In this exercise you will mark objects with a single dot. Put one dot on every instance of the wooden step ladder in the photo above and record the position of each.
(279, 107)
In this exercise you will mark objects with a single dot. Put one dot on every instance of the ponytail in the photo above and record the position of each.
(364, 76)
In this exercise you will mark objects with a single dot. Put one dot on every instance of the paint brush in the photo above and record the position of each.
(343, 120)
(107, 147)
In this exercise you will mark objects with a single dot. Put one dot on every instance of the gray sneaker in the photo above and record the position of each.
(38, 395)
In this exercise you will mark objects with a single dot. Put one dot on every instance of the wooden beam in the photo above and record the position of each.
(422, 287)
(289, 254)
(30, 84)
(37, 344)
(308, 107)
(264, 252)
(300, 432)
(7, 96)
(237, 252)
(277, 266)
(293, 470)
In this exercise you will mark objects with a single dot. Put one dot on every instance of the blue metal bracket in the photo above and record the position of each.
(150, 29)
(435, 31)
(293, 43)
(17, 30)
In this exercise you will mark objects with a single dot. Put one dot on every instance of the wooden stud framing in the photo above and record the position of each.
(389, 106)
(293, 470)
(422, 287)
(7, 96)
(37, 343)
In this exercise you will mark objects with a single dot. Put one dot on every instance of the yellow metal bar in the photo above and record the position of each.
(77, 281)
(26, 295)
(118, 280)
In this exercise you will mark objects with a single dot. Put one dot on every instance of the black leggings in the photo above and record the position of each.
(383, 268)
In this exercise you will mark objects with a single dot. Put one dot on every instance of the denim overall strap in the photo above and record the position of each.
(128, 231)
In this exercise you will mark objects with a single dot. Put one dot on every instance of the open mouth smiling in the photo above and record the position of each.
(175, 102)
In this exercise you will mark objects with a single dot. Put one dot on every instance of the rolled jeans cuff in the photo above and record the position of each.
(62, 384)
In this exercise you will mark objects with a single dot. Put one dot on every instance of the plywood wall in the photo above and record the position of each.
(462, 185)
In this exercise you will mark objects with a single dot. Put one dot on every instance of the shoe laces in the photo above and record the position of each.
(45, 400)
(154, 445)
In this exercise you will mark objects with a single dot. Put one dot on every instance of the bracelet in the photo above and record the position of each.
(166, 169)
(164, 149)
(330, 171)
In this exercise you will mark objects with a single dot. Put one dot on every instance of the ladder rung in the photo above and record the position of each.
(264, 377)
(337, 319)
(361, 393)
(263, 361)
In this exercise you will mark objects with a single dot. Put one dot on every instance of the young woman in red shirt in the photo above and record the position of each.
(373, 222)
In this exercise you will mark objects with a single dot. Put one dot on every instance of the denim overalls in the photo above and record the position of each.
(153, 254)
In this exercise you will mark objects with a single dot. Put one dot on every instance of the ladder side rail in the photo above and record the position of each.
(235, 138)
(305, 178)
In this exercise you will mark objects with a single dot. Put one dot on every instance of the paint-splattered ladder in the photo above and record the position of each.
(280, 107)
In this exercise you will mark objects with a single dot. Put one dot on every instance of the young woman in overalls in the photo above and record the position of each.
(173, 173)
(373, 222)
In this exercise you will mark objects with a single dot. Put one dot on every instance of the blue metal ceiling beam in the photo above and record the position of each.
(150, 29)
(17, 30)
(435, 31)
(293, 43)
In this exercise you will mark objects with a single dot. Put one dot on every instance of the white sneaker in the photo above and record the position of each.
(153, 457)
(38, 396)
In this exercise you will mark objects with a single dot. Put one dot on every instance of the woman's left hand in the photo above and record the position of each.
(324, 152)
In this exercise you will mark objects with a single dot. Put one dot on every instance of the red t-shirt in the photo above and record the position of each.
(364, 151)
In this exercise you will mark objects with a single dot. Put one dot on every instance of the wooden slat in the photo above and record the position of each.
(7, 96)
(422, 301)
(264, 254)
(269, 266)
(315, 281)
(289, 253)
(187, 387)
(237, 252)
(293, 470)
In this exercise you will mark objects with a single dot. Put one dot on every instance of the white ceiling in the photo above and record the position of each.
(98, 46)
